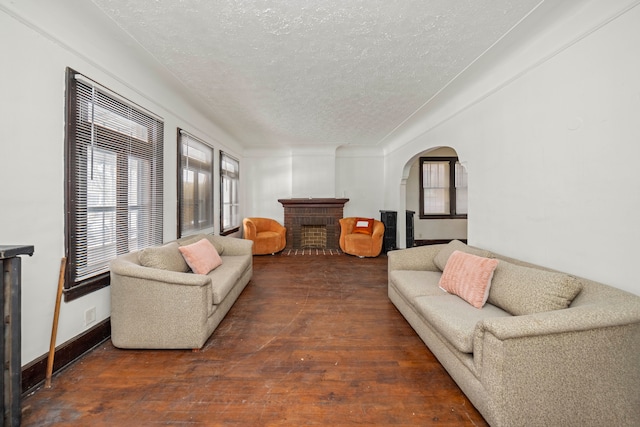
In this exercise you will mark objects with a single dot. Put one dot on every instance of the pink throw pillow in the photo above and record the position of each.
(201, 256)
(468, 276)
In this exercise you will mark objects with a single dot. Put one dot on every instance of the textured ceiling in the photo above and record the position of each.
(304, 72)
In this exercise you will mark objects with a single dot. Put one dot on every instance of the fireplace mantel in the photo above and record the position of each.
(312, 211)
(313, 202)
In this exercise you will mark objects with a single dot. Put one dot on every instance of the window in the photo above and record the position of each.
(229, 178)
(113, 192)
(195, 185)
(443, 188)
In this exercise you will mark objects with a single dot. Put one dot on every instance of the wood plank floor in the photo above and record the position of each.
(312, 340)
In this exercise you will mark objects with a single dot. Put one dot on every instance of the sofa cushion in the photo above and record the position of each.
(454, 319)
(524, 290)
(226, 276)
(412, 283)
(469, 277)
(456, 245)
(167, 257)
(201, 256)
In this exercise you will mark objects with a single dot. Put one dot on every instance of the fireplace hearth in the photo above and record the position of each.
(319, 212)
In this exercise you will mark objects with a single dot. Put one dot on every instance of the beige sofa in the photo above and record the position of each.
(574, 366)
(158, 303)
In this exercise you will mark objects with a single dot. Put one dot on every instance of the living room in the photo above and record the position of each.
(542, 122)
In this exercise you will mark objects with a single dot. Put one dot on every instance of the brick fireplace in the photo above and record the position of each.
(303, 215)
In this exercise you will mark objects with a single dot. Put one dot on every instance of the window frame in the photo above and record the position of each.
(80, 154)
(209, 227)
(452, 161)
(224, 175)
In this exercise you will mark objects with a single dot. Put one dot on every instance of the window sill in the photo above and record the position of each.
(229, 231)
(443, 216)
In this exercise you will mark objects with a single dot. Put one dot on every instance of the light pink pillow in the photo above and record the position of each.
(201, 256)
(468, 276)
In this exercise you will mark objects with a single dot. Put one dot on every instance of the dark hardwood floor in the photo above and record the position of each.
(312, 340)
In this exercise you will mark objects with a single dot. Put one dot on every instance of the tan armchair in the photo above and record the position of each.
(361, 244)
(268, 235)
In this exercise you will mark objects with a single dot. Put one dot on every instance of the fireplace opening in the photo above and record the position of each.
(313, 236)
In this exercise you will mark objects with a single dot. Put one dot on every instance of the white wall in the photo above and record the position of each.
(38, 43)
(355, 173)
(313, 172)
(360, 178)
(268, 176)
(550, 136)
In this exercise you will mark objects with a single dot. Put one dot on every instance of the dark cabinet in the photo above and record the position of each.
(390, 220)
(410, 232)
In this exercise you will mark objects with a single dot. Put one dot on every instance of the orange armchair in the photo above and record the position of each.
(357, 240)
(268, 235)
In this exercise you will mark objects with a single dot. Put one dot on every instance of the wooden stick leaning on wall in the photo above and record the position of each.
(54, 328)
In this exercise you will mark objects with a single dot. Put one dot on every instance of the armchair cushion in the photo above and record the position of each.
(363, 225)
(167, 257)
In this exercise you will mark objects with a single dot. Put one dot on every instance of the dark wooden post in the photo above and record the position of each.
(10, 381)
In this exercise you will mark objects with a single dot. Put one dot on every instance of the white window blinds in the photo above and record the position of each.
(114, 180)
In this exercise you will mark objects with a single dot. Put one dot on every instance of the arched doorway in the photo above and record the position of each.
(441, 215)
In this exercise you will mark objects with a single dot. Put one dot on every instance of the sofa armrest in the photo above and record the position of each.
(154, 308)
(557, 359)
(282, 231)
(417, 258)
(249, 227)
(614, 312)
(378, 230)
